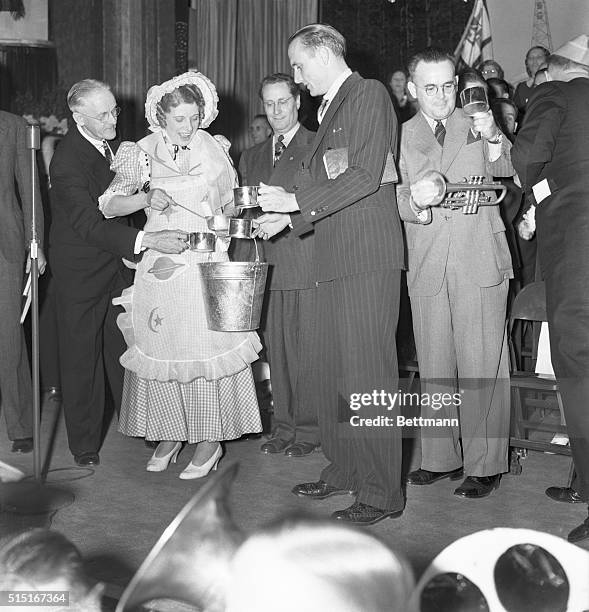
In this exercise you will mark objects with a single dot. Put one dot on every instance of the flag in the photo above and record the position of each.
(476, 45)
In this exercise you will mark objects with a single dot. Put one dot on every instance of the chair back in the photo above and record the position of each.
(530, 303)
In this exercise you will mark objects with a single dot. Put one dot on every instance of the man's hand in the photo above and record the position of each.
(276, 199)
(41, 261)
(485, 124)
(166, 241)
(424, 193)
(159, 200)
(270, 224)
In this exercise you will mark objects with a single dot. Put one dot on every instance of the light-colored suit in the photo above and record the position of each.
(15, 236)
(459, 268)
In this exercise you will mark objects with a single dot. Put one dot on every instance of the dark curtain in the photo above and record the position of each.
(26, 71)
(382, 36)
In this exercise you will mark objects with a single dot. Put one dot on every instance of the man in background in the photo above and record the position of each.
(16, 200)
(458, 279)
(259, 129)
(290, 308)
(552, 161)
(85, 253)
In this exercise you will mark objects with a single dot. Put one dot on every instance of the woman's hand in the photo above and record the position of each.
(157, 199)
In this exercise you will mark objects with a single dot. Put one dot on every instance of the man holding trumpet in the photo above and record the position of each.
(458, 275)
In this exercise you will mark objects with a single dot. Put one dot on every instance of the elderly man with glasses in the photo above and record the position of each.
(458, 275)
(86, 251)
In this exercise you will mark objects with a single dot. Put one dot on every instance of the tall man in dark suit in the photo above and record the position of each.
(458, 278)
(85, 254)
(344, 194)
(16, 199)
(291, 310)
(551, 157)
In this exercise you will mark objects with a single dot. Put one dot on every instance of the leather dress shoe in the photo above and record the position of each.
(86, 459)
(300, 449)
(568, 495)
(318, 490)
(425, 477)
(364, 514)
(22, 445)
(579, 533)
(475, 487)
(53, 394)
(275, 445)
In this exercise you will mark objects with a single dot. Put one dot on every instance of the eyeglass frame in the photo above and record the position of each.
(115, 112)
(432, 89)
(280, 104)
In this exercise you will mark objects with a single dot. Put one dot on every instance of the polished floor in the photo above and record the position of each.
(120, 510)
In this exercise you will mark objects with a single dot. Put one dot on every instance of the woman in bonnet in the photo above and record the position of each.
(183, 382)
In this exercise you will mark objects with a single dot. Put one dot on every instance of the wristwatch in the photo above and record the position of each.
(497, 140)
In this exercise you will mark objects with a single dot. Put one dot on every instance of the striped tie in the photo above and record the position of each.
(107, 152)
(440, 133)
(279, 147)
(321, 109)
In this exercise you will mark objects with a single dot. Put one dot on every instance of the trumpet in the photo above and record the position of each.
(468, 195)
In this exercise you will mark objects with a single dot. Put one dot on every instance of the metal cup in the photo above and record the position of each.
(241, 228)
(245, 197)
(218, 224)
(203, 242)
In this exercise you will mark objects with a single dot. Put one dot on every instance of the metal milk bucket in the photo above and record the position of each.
(233, 294)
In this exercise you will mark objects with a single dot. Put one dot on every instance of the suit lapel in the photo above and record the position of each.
(456, 134)
(343, 91)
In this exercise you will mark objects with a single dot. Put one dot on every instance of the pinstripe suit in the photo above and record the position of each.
(357, 264)
(290, 308)
(459, 266)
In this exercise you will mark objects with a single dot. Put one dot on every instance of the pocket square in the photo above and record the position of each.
(472, 137)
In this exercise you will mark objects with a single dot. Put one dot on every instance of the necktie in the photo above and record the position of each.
(279, 147)
(440, 133)
(321, 109)
(107, 152)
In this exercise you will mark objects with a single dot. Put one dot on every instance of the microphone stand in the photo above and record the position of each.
(27, 496)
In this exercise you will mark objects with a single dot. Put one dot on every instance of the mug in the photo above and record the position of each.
(241, 228)
(203, 242)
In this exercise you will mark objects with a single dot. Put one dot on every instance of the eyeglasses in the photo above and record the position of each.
(280, 104)
(115, 112)
(432, 90)
(489, 71)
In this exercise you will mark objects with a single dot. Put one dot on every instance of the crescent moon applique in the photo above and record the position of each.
(154, 320)
(163, 268)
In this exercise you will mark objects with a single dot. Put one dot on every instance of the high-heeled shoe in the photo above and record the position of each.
(159, 464)
(198, 471)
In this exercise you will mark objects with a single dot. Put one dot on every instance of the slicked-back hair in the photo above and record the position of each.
(280, 77)
(318, 35)
(558, 61)
(431, 55)
(83, 89)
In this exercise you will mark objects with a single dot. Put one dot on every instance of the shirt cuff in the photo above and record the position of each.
(420, 213)
(138, 248)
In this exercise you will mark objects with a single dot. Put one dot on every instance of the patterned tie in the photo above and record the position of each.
(440, 133)
(279, 147)
(107, 152)
(321, 109)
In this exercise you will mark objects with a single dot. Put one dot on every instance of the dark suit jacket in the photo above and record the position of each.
(85, 248)
(16, 190)
(289, 255)
(356, 222)
(479, 239)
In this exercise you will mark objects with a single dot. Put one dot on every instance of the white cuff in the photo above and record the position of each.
(138, 248)
(494, 150)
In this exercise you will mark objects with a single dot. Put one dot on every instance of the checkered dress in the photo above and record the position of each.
(183, 381)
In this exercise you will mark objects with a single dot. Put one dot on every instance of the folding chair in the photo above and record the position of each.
(533, 396)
